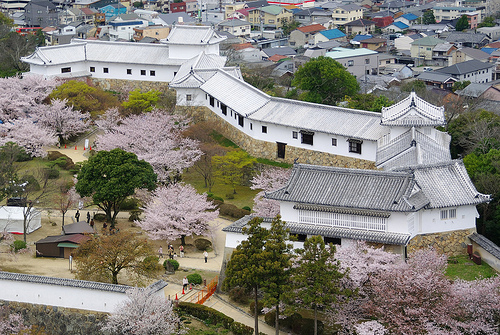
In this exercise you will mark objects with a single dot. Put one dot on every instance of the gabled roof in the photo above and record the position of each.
(192, 35)
(332, 34)
(466, 67)
(475, 53)
(466, 37)
(360, 23)
(273, 9)
(351, 7)
(443, 47)
(435, 77)
(73, 238)
(410, 16)
(413, 111)
(359, 37)
(234, 23)
(284, 51)
(400, 25)
(81, 227)
(474, 90)
(194, 72)
(412, 148)
(428, 40)
(311, 28)
(375, 40)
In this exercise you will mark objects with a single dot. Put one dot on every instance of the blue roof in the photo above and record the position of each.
(488, 50)
(125, 23)
(401, 25)
(359, 38)
(410, 16)
(332, 33)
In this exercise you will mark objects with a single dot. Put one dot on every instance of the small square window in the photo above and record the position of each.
(444, 214)
(264, 129)
(92, 69)
(350, 63)
(355, 146)
(367, 61)
(334, 142)
(188, 97)
(105, 70)
(129, 71)
(295, 134)
(452, 213)
(152, 73)
(307, 138)
(143, 72)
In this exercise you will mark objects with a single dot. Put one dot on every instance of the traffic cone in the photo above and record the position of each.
(176, 297)
(84, 148)
(190, 286)
(65, 146)
(90, 147)
(75, 147)
(183, 290)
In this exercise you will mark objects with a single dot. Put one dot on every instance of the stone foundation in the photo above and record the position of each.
(121, 85)
(58, 320)
(452, 243)
(268, 150)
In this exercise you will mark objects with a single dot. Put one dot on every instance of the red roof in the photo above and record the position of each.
(87, 11)
(311, 28)
(493, 45)
(277, 58)
(244, 11)
(242, 46)
(383, 21)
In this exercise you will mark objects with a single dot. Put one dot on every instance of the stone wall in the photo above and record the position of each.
(263, 149)
(452, 243)
(58, 320)
(121, 85)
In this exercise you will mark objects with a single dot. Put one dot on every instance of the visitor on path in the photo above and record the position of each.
(77, 215)
(104, 226)
(181, 249)
(92, 223)
(185, 283)
(205, 254)
(88, 217)
(160, 252)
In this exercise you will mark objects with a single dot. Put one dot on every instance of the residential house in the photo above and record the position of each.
(385, 59)
(493, 33)
(383, 21)
(356, 40)
(235, 27)
(400, 71)
(174, 18)
(409, 19)
(404, 42)
(347, 13)
(421, 49)
(436, 28)
(112, 10)
(272, 16)
(437, 79)
(89, 15)
(329, 35)
(229, 9)
(473, 70)
(357, 61)
(157, 32)
(464, 54)
(192, 7)
(62, 35)
(473, 19)
(282, 51)
(304, 35)
(442, 54)
(471, 40)
(397, 6)
(69, 15)
(242, 14)
(360, 27)
(128, 61)
(484, 91)
(374, 43)
(396, 27)
(450, 13)
(308, 15)
(124, 29)
(41, 13)
(177, 7)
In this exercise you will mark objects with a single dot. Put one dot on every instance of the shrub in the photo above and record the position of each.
(247, 208)
(174, 263)
(52, 173)
(76, 168)
(202, 244)
(195, 278)
(134, 215)
(151, 263)
(232, 211)
(100, 217)
(295, 323)
(241, 329)
(230, 196)
(129, 204)
(206, 313)
(61, 160)
(18, 245)
(260, 305)
(239, 294)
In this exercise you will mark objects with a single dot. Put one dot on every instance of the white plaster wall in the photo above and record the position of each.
(190, 51)
(487, 257)
(431, 220)
(163, 73)
(197, 97)
(287, 212)
(397, 223)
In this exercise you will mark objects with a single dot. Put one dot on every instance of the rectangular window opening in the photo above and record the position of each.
(129, 71)
(152, 73)
(264, 129)
(307, 137)
(334, 142)
(189, 97)
(92, 69)
(143, 72)
(355, 146)
(65, 69)
(295, 134)
(105, 70)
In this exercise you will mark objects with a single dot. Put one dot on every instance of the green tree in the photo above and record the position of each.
(324, 81)
(10, 153)
(84, 98)
(111, 176)
(415, 85)
(141, 102)
(462, 23)
(103, 257)
(368, 102)
(460, 85)
(488, 21)
(315, 278)
(276, 261)
(288, 27)
(428, 17)
(232, 167)
(246, 266)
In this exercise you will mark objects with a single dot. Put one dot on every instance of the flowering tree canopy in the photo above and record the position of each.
(155, 137)
(27, 134)
(143, 314)
(270, 179)
(175, 211)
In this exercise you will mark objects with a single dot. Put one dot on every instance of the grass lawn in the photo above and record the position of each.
(462, 267)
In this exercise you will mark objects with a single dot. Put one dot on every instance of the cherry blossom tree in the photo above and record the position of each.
(270, 179)
(176, 211)
(19, 95)
(28, 135)
(155, 137)
(11, 323)
(144, 313)
(109, 120)
(63, 120)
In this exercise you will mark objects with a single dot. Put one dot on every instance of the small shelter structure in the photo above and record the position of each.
(62, 246)
(12, 219)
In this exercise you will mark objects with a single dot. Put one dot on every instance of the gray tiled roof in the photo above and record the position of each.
(486, 244)
(334, 232)
(435, 77)
(192, 35)
(348, 188)
(74, 283)
(413, 111)
(466, 67)
(455, 37)
(475, 53)
(412, 148)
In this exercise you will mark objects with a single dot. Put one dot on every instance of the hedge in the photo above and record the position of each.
(216, 317)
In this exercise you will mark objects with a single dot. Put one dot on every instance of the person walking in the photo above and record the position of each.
(77, 215)
(160, 252)
(88, 217)
(205, 254)
(181, 250)
(185, 283)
